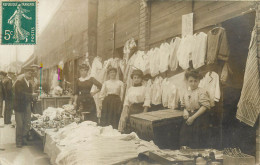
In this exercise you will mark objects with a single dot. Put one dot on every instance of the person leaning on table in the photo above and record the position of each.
(196, 103)
(137, 100)
(23, 96)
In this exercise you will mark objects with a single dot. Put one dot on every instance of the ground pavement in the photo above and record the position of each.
(27, 155)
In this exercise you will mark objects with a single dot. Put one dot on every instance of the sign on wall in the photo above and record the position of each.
(187, 24)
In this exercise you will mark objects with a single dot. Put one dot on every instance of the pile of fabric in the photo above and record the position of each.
(96, 145)
(54, 118)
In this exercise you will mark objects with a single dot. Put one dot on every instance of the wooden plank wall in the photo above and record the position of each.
(166, 16)
(125, 14)
(64, 34)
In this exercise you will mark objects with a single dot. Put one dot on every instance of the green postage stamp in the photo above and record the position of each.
(19, 22)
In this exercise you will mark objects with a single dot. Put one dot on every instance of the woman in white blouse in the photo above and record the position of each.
(137, 100)
(111, 96)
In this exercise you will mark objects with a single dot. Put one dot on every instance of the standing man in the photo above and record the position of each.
(22, 105)
(2, 92)
(8, 86)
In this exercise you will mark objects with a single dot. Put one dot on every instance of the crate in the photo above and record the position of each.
(161, 126)
(229, 160)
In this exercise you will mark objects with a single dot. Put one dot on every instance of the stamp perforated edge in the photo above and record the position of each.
(36, 24)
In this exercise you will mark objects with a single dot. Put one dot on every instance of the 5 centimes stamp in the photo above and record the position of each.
(19, 22)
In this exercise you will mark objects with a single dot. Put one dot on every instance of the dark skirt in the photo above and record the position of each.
(195, 136)
(135, 108)
(111, 111)
(87, 103)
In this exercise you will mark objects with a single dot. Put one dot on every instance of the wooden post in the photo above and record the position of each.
(144, 22)
(258, 54)
(92, 27)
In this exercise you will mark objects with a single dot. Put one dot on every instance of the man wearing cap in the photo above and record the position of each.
(8, 86)
(2, 92)
(22, 105)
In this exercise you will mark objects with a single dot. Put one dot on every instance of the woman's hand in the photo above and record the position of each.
(190, 121)
(185, 114)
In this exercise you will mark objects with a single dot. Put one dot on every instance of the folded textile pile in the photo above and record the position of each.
(97, 145)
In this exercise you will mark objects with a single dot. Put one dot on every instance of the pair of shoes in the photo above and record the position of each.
(19, 145)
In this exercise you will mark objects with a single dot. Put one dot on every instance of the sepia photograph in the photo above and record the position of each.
(129, 82)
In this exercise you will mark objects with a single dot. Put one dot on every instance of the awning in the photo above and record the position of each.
(30, 61)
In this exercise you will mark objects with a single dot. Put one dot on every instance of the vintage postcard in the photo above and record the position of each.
(130, 82)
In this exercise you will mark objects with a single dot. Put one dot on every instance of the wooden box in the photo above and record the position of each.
(161, 126)
(229, 160)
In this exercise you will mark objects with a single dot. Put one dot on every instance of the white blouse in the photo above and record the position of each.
(112, 87)
(140, 94)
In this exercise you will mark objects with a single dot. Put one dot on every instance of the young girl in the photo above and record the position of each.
(137, 100)
(196, 103)
(111, 96)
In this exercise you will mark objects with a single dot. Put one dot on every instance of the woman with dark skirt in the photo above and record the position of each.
(83, 98)
(137, 100)
(196, 103)
(111, 96)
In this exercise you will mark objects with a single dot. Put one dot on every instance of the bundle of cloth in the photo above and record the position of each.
(97, 145)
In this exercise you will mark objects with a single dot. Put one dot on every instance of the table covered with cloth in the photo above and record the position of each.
(94, 145)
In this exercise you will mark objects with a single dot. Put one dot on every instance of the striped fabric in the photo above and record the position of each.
(249, 103)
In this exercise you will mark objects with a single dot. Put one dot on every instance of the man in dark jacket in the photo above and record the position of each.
(2, 92)
(22, 105)
(8, 86)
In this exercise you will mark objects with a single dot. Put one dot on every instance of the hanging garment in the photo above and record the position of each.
(199, 50)
(146, 64)
(173, 61)
(170, 96)
(211, 83)
(249, 103)
(154, 62)
(128, 71)
(217, 45)
(165, 92)
(156, 91)
(96, 72)
(164, 54)
(173, 97)
(225, 73)
(184, 53)
(139, 61)
(142, 62)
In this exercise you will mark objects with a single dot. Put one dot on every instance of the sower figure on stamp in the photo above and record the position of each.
(2, 92)
(15, 20)
(22, 106)
(8, 86)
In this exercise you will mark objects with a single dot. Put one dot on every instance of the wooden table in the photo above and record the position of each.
(161, 126)
(56, 101)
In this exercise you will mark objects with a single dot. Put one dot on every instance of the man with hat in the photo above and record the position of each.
(23, 91)
(2, 92)
(8, 86)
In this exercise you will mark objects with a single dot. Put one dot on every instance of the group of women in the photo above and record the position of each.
(117, 107)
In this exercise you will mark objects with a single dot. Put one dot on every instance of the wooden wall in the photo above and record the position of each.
(65, 37)
(165, 21)
(125, 15)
